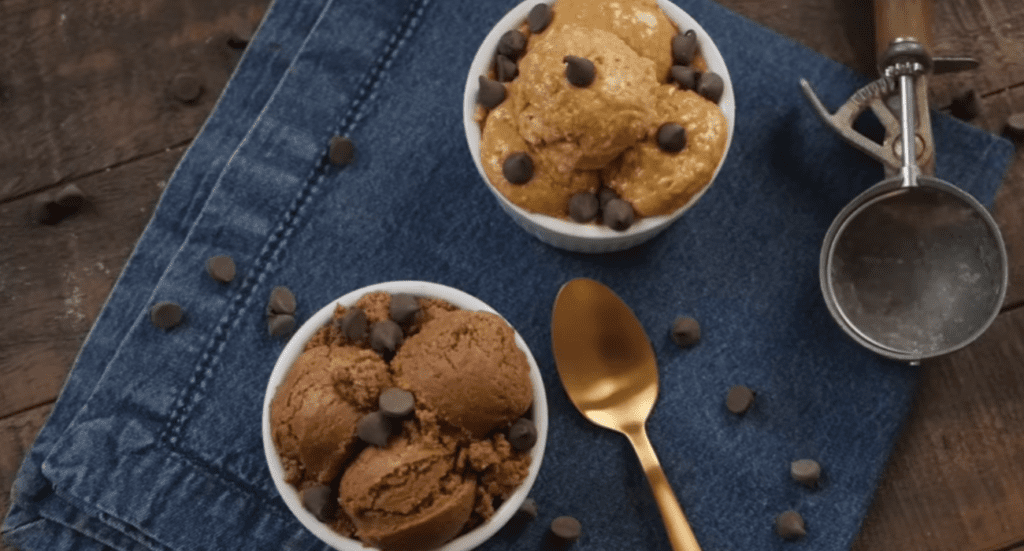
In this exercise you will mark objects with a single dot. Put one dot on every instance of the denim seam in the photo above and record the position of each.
(269, 255)
(92, 510)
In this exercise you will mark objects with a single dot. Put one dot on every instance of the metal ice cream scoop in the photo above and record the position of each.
(609, 371)
(913, 267)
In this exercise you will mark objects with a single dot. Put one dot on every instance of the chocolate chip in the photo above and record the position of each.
(354, 325)
(374, 428)
(342, 151)
(70, 198)
(165, 314)
(279, 325)
(522, 434)
(505, 69)
(45, 210)
(404, 308)
(186, 88)
(684, 47)
(584, 206)
(518, 168)
(966, 106)
(240, 35)
(539, 18)
(385, 338)
(566, 528)
(1014, 127)
(320, 501)
(685, 77)
(671, 137)
(396, 403)
(528, 508)
(685, 331)
(711, 86)
(512, 45)
(491, 93)
(617, 214)
(221, 268)
(579, 71)
(605, 194)
(790, 525)
(740, 399)
(282, 301)
(805, 471)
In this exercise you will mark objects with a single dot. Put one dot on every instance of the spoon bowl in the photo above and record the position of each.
(609, 371)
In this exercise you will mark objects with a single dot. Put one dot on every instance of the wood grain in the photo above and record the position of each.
(954, 481)
(16, 436)
(54, 279)
(84, 85)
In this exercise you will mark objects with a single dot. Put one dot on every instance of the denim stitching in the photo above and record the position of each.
(272, 249)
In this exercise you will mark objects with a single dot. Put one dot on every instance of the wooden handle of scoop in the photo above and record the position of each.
(903, 19)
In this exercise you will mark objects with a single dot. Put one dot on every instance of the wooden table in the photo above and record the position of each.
(84, 99)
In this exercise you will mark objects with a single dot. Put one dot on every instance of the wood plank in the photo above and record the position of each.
(16, 436)
(954, 481)
(84, 85)
(55, 279)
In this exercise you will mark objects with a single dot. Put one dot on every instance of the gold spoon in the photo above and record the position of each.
(609, 371)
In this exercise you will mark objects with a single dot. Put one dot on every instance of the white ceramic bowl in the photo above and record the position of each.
(293, 349)
(565, 234)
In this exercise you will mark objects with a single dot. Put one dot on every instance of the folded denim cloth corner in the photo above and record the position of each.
(155, 442)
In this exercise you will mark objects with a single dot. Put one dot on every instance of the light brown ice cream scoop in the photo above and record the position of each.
(316, 409)
(466, 367)
(406, 496)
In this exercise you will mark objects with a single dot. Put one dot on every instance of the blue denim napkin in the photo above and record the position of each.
(155, 440)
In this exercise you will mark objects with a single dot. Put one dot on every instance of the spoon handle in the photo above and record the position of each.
(679, 532)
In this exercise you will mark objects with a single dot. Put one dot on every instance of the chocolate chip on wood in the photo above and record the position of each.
(221, 268)
(186, 88)
(45, 210)
(790, 525)
(165, 314)
(1014, 127)
(70, 199)
(966, 106)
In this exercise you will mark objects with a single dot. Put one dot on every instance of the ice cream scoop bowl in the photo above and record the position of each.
(609, 371)
(291, 352)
